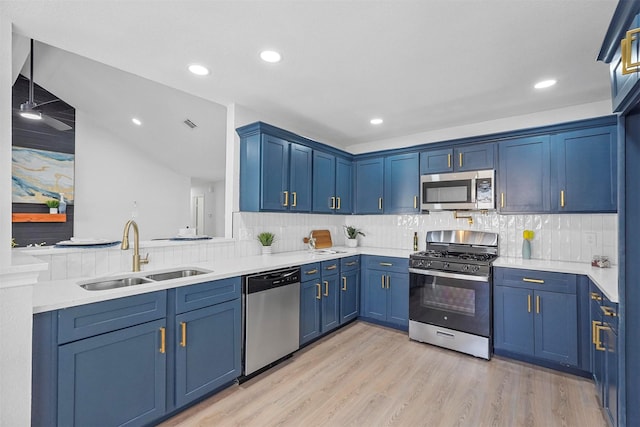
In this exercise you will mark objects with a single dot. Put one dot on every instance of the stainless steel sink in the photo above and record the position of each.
(114, 283)
(329, 251)
(176, 274)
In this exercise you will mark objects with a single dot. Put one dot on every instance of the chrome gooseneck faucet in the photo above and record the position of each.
(136, 245)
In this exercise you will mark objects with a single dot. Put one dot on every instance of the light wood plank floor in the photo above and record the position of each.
(366, 375)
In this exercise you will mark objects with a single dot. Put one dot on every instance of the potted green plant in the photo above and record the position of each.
(53, 206)
(352, 234)
(266, 239)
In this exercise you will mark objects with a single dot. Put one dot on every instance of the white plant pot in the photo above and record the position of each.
(352, 243)
(267, 250)
(53, 210)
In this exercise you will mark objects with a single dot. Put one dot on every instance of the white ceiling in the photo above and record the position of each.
(420, 65)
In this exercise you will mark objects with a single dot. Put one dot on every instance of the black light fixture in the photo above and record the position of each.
(27, 108)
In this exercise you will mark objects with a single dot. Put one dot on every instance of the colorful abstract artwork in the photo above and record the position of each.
(39, 175)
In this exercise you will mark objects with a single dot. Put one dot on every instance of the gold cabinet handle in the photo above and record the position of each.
(326, 288)
(163, 340)
(314, 271)
(415, 202)
(562, 198)
(295, 199)
(460, 159)
(379, 203)
(502, 200)
(332, 267)
(594, 327)
(608, 311)
(382, 281)
(319, 290)
(183, 327)
(526, 279)
(286, 198)
(537, 304)
(595, 296)
(386, 264)
(628, 67)
(529, 303)
(598, 341)
(344, 283)
(448, 160)
(388, 281)
(338, 199)
(333, 203)
(349, 264)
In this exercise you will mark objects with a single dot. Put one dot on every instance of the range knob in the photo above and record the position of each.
(476, 268)
(465, 267)
(445, 265)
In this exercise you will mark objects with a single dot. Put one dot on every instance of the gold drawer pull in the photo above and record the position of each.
(344, 283)
(333, 203)
(326, 288)
(598, 341)
(386, 264)
(595, 296)
(382, 281)
(415, 202)
(388, 281)
(529, 303)
(332, 267)
(349, 264)
(460, 157)
(163, 340)
(562, 199)
(338, 199)
(526, 279)
(295, 199)
(537, 304)
(448, 160)
(319, 289)
(502, 200)
(608, 311)
(379, 203)
(594, 325)
(314, 271)
(286, 198)
(183, 341)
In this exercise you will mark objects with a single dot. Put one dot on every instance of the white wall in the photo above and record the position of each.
(213, 193)
(110, 176)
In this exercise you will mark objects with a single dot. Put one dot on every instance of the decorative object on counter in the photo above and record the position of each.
(266, 239)
(62, 207)
(352, 235)
(76, 242)
(600, 261)
(415, 240)
(53, 206)
(310, 241)
(527, 236)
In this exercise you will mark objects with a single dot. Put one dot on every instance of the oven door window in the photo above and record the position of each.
(454, 303)
(447, 191)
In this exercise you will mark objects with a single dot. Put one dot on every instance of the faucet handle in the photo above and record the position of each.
(145, 260)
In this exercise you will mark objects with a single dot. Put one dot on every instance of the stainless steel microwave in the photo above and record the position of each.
(458, 191)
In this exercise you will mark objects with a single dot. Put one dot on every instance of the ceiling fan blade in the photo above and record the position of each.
(56, 124)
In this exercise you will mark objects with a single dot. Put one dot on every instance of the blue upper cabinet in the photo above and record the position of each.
(623, 84)
(524, 175)
(369, 186)
(458, 159)
(401, 184)
(344, 186)
(332, 183)
(299, 178)
(584, 174)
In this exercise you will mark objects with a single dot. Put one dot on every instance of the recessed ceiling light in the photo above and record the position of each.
(270, 56)
(376, 121)
(545, 84)
(198, 70)
(136, 121)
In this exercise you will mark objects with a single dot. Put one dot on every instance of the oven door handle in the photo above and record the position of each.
(449, 275)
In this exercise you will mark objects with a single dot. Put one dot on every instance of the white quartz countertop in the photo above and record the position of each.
(53, 295)
(606, 279)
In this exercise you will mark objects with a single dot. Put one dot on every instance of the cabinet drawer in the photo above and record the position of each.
(349, 264)
(93, 319)
(330, 267)
(400, 265)
(310, 272)
(534, 279)
(205, 294)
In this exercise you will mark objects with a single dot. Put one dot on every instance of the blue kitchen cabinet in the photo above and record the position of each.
(310, 298)
(349, 288)
(611, 384)
(207, 350)
(369, 186)
(332, 183)
(300, 178)
(117, 378)
(275, 173)
(457, 159)
(513, 320)
(385, 291)
(330, 317)
(524, 175)
(556, 327)
(584, 173)
(401, 183)
(597, 350)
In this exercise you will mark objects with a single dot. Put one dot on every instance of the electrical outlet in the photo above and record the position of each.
(590, 238)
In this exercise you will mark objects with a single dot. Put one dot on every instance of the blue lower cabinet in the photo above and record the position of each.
(310, 299)
(398, 290)
(385, 290)
(375, 295)
(330, 316)
(207, 350)
(117, 378)
(349, 295)
(513, 325)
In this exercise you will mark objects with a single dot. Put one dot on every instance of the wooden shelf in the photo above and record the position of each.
(38, 217)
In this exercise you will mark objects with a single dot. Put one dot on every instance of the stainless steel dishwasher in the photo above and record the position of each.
(271, 317)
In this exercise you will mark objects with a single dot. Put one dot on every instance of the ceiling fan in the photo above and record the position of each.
(31, 110)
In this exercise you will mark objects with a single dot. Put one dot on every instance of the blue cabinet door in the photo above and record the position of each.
(375, 295)
(310, 300)
(401, 183)
(344, 186)
(610, 342)
(398, 298)
(117, 378)
(275, 173)
(513, 320)
(474, 157)
(585, 172)
(524, 175)
(556, 327)
(207, 350)
(349, 295)
(301, 159)
(436, 161)
(324, 188)
(330, 314)
(597, 352)
(369, 186)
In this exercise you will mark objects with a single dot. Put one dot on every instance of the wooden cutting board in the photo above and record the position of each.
(323, 239)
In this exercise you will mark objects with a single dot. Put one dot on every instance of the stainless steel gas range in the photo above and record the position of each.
(450, 292)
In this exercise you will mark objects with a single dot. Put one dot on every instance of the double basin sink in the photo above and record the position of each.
(104, 284)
